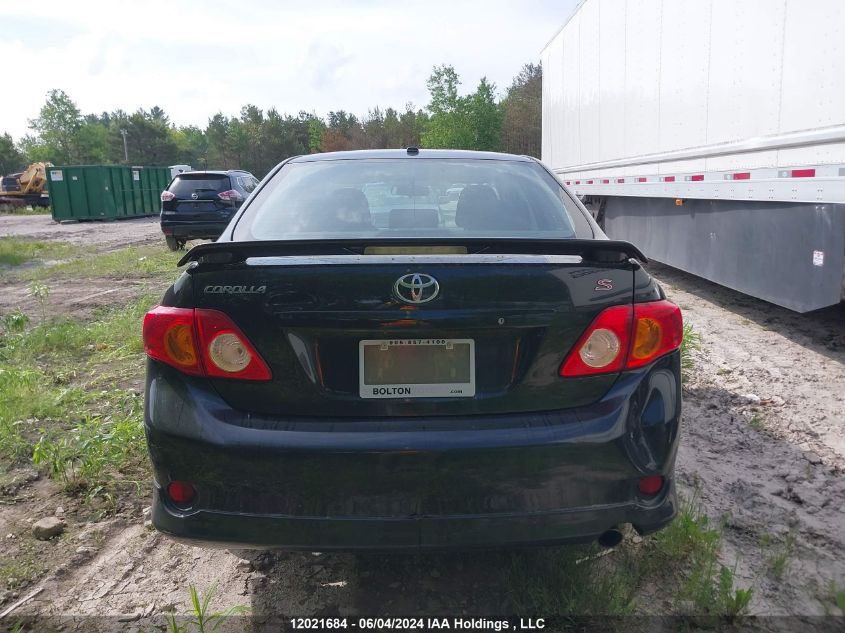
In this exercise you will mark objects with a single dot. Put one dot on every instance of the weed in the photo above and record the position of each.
(571, 581)
(26, 567)
(201, 620)
(778, 555)
(757, 421)
(39, 292)
(690, 342)
(15, 321)
(92, 453)
(56, 407)
(690, 543)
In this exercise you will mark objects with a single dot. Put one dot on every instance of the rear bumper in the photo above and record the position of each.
(193, 230)
(474, 481)
(245, 531)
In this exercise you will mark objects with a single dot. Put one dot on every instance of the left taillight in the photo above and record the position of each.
(625, 337)
(202, 343)
(170, 337)
(166, 196)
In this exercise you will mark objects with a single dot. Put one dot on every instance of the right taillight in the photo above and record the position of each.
(625, 337)
(166, 196)
(231, 194)
(203, 343)
(658, 330)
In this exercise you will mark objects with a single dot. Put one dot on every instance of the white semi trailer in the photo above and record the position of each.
(711, 134)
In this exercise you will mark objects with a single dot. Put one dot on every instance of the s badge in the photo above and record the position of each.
(604, 284)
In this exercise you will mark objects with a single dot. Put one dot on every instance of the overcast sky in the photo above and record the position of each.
(197, 58)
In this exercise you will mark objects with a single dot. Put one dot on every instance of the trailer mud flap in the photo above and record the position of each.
(791, 254)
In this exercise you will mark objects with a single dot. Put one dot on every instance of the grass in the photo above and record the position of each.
(571, 581)
(757, 421)
(62, 408)
(690, 342)
(25, 568)
(576, 582)
(15, 251)
(29, 210)
(68, 388)
(202, 620)
(131, 262)
(691, 546)
(778, 555)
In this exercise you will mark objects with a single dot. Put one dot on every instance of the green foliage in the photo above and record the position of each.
(570, 581)
(202, 621)
(257, 140)
(839, 599)
(15, 251)
(11, 160)
(56, 406)
(778, 554)
(757, 421)
(91, 454)
(469, 122)
(690, 342)
(522, 112)
(15, 321)
(707, 587)
(57, 126)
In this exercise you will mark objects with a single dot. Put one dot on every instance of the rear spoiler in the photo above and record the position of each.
(610, 251)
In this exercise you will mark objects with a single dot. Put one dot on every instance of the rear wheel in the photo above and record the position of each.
(172, 243)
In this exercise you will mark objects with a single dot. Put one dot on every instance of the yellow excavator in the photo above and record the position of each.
(26, 188)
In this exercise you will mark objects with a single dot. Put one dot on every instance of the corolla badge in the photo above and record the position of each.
(416, 288)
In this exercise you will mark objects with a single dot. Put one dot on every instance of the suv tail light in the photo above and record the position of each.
(231, 194)
(202, 343)
(625, 337)
(167, 196)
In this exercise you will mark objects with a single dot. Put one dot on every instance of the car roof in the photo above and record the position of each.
(404, 153)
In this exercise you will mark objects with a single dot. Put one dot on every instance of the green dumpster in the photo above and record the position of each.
(105, 192)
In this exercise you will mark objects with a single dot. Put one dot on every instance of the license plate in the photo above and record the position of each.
(417, 368)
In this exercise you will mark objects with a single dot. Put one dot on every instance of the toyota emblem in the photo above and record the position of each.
(416, 288)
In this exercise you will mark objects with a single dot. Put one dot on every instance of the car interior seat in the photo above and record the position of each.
(479, 208)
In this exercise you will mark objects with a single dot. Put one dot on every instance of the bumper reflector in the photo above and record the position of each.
(181, 493)
(651, 485)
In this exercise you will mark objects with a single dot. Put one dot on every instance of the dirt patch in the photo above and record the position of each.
(103, 236)
(77, 298)
(763, 438)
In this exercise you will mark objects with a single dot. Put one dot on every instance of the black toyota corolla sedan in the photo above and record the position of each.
(362, 361)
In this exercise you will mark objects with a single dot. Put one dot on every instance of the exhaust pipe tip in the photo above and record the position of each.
(610, 538)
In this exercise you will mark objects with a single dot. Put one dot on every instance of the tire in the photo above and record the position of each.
(172, 243)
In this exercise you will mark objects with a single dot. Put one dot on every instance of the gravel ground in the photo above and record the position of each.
(104, 236)
(762, 448)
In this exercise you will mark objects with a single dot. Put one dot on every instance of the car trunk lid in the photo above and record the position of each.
(307, 316)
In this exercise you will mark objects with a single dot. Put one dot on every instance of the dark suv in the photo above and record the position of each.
(199, 204)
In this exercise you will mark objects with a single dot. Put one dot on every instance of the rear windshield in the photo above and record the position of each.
(411, 198)
(186, 184)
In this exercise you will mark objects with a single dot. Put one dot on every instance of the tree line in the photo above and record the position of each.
(257, 140)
